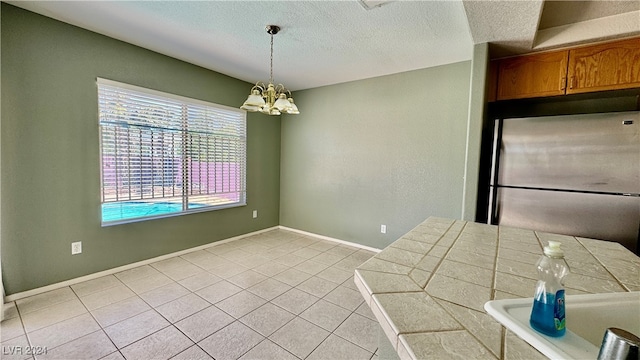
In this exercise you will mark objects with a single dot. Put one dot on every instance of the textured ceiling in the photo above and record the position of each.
(558, 13)
(329, 42)
(510, 24)
(576, 22)
(321, 42)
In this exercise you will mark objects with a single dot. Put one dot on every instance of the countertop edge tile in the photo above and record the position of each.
(362, 287)
(385, 323)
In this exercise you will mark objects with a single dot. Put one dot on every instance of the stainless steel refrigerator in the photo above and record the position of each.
(576, 175)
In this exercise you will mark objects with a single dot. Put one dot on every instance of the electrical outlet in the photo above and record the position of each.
(76, 247)
(383, 229)
(255, 214)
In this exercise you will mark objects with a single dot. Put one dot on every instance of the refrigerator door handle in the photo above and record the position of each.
(495, 161)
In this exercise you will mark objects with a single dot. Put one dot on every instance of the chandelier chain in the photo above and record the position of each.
(271, 66)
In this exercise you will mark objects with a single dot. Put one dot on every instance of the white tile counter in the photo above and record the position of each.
(428, 288)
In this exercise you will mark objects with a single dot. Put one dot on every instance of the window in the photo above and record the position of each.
(164, 155)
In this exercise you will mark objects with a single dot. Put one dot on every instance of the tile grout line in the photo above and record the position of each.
(330, 332)
(77, 297)
(96, 320)
(342, 257)
(24, 329)
(238, 319)
(269, 302)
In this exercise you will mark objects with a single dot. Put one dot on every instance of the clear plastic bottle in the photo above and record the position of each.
(548, 312)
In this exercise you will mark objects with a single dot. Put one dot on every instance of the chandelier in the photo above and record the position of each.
(270, 99)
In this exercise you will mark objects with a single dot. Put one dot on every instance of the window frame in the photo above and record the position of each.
(188, 148)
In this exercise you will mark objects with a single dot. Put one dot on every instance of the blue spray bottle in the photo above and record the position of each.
(548, 312)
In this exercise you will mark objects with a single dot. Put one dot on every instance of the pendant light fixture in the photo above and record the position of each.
(270, 99)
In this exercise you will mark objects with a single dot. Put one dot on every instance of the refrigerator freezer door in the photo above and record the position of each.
(593, 152)
(598, 216)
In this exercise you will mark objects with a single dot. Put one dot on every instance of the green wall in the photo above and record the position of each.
(477, 113)
(387, 150)
(50, 157)
(1, 284)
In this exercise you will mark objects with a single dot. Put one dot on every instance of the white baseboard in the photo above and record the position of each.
(36, 291)
(40, 290)
(376, 250)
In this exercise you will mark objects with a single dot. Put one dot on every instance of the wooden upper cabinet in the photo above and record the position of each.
(532, 75)
(607, 66)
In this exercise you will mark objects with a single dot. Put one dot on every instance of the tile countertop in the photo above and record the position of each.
(428, 288)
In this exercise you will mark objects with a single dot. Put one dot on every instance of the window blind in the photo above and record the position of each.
(163, 154)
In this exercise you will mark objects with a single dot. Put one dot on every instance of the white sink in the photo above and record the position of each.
(588, 316)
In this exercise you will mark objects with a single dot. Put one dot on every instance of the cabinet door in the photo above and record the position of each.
(608, 66)
(532, 75)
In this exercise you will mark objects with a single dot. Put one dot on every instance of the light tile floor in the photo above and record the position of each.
(275, 295)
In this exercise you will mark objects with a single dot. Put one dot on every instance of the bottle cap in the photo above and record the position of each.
(553, 249)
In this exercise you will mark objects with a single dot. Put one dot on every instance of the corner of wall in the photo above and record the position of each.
(1, 284)
(479, 66)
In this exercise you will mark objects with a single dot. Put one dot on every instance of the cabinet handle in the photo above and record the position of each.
(571, 82)
(563, 83)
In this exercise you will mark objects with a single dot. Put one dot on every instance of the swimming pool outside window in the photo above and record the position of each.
(165, 155)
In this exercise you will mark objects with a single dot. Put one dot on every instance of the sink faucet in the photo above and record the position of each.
(619, 344)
